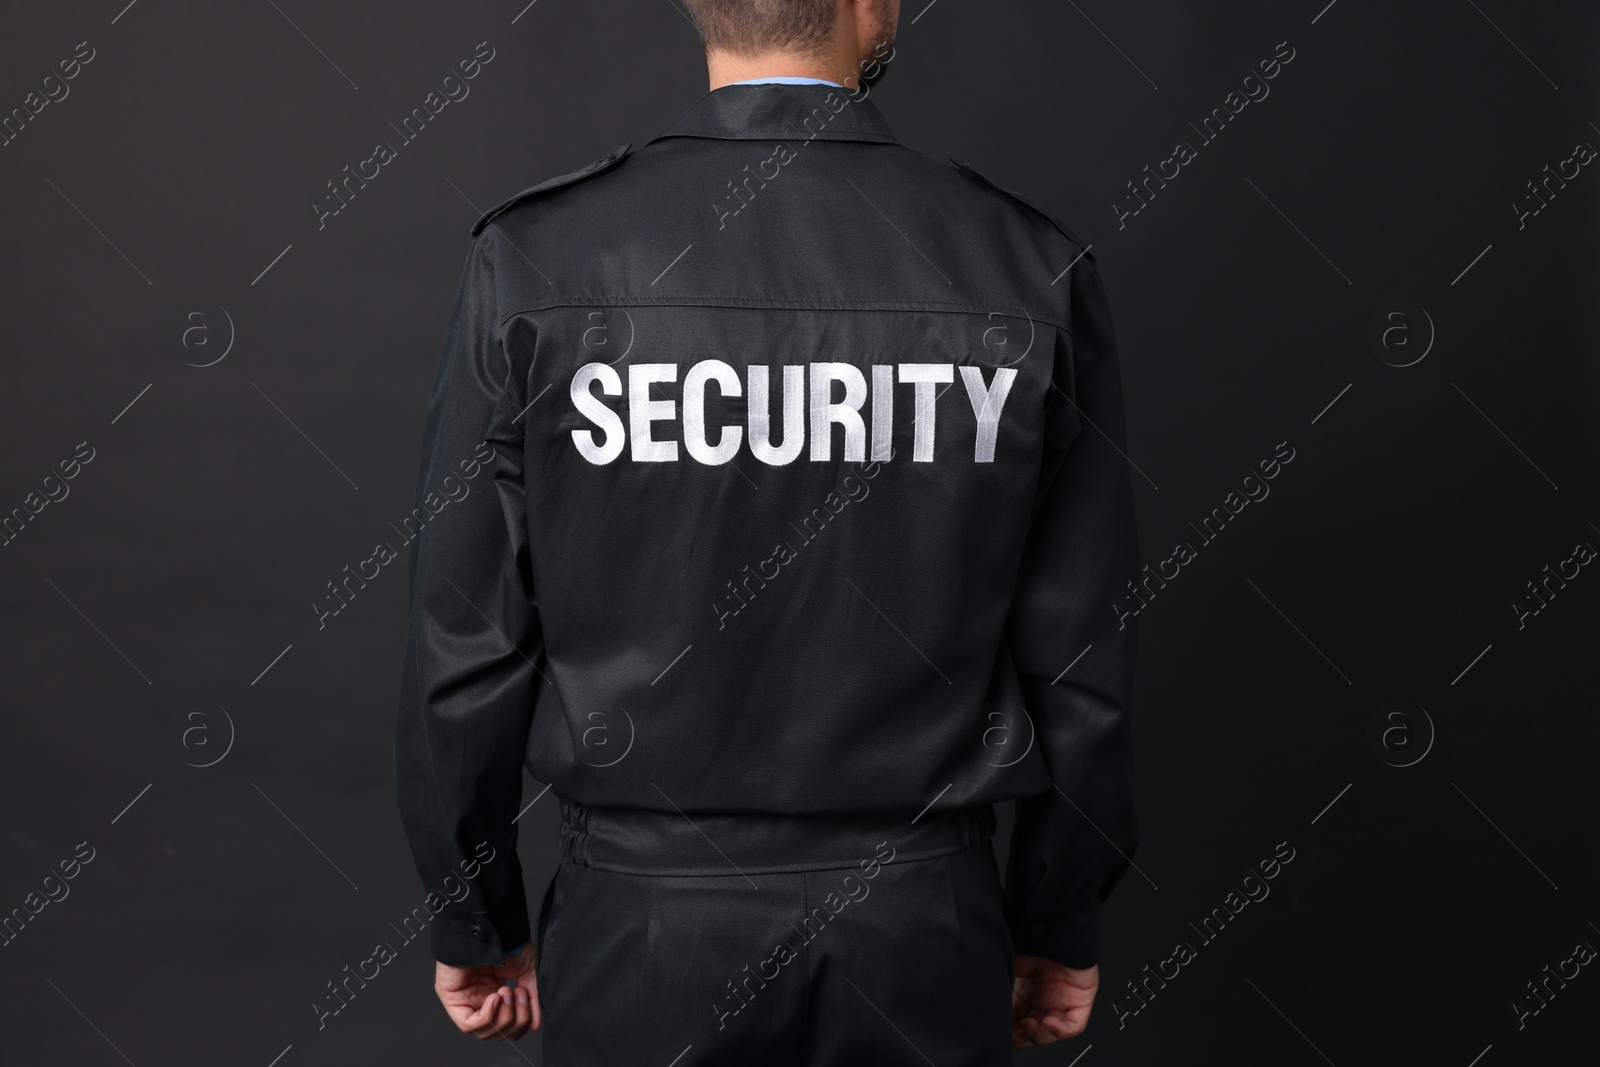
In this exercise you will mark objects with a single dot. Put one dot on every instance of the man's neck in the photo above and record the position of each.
(725, 68)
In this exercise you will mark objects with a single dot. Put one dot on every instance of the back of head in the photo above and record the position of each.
(756, 27)
(828, 39)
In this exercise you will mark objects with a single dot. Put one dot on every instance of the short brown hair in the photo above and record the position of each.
(749, 27)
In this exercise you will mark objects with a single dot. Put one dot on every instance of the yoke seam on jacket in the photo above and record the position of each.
(773, 304)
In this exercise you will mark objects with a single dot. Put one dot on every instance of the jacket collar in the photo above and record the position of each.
(776, 112)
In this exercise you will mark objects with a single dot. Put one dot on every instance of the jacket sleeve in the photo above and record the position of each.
(473, 641)
(1072, 844)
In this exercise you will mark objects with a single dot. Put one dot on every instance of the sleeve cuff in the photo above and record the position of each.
(1070, 940)
(475, 939)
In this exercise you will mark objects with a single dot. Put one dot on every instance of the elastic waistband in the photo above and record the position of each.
(635, 841)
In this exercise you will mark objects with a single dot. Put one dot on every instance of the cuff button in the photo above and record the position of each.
(1036, 929)
(476, 933)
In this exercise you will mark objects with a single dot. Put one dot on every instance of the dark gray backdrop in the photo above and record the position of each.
(161, 608)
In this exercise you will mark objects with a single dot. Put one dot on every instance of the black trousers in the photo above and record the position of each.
(673, 941)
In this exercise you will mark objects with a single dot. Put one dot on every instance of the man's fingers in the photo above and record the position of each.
(1046, 1028)
(481, 1016)
(1063, 1025)
(1049, 1002)
(1037, 1033)
(522, 1015)
(482, 1022)
(505, 1015)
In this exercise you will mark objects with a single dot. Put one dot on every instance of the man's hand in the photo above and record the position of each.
(1049, 1001)
(481, 1004)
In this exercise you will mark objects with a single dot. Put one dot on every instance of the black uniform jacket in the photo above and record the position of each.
(772, 467)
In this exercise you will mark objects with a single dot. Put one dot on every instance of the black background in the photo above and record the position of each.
(189, 551)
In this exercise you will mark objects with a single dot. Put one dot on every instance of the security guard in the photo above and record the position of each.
(798, 548)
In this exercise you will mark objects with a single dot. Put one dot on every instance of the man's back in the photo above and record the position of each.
(800, 608)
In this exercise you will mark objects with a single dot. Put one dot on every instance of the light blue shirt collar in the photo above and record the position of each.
(786, 81)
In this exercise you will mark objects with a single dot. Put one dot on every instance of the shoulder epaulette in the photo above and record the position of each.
(1029, 201)
(604, 162)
